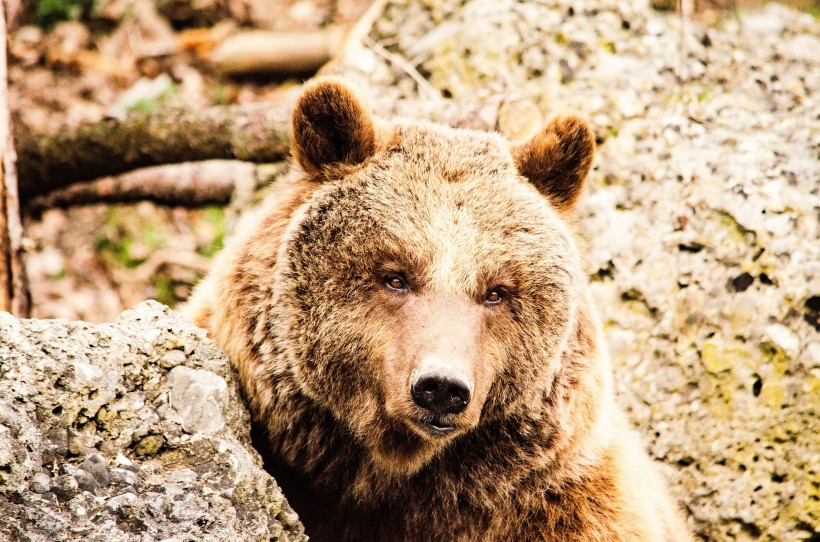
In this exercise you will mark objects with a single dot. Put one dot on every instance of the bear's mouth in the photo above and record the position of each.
(436, 427)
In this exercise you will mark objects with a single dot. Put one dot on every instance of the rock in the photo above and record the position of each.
(199, 398)
(122, 477)
(124, 505)
(65, 487)
(149, 445)
(700, 218)
(85, 480)
(172, 358)
(97, 466)
(77, 398)
(40, 483)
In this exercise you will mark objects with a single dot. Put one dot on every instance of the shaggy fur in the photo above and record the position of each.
(326, 350)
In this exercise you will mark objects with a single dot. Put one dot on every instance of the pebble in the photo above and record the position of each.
(124, 477)
(123, 505)
(97, 466)
(40, 483)
(65, 487)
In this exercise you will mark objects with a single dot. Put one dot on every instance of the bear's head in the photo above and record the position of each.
(429, 283)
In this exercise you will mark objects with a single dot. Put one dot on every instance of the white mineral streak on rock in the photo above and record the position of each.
(86, 375)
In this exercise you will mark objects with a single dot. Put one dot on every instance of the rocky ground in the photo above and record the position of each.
(701, 220)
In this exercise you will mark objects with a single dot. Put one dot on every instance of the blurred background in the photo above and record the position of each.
(80, 61)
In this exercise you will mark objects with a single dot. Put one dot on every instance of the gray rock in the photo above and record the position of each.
(76, 399)
(199, 398)
(85, 481)
(700, 219)
(123, 477)
(124, 505)
(40, 483)
(172, 358)
(65, 487)
(97, 466)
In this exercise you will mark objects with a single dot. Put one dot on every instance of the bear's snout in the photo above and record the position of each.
(441, 394)
(442, 391)
(436, 375)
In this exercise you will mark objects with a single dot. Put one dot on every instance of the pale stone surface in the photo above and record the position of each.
(199, 398)
(701, 220)
(99, 440)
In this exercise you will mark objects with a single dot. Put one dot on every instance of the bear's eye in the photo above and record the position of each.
(395, 283)
(494, 296)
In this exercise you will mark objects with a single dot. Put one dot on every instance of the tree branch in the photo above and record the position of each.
(50, 164)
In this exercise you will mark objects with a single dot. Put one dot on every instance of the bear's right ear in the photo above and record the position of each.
(331, 126)
(557, 160)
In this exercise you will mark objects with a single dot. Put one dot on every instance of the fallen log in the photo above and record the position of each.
(257, 133)
(190, 184)
(265, 52)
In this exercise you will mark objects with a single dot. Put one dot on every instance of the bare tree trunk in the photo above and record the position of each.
(14, 295)
(248, 133)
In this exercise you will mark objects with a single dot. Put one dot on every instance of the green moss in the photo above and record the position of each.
(165, 290)
(775, 357)
(215, 218)
(717, 359)
(149, 445)
(47, 13)
(705, 93)
(104, 418)
(118, 250)
(57, 276)
(128, 237)
(731, 242)
(155, 103)
(220, 95)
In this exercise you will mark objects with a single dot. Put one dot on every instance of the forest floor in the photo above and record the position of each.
(91, 262)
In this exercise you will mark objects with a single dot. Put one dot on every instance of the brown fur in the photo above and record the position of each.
(557, 161)
(325, 350)
(331, 127)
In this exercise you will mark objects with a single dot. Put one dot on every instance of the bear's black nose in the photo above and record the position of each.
(440, 394)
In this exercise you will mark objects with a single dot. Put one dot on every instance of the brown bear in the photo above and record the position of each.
(410, 320)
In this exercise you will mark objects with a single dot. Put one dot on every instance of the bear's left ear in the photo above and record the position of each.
(331, 126)
(557, 160)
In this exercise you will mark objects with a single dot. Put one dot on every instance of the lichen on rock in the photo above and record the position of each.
(128, 431)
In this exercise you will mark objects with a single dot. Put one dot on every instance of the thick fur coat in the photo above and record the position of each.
(398, 246)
